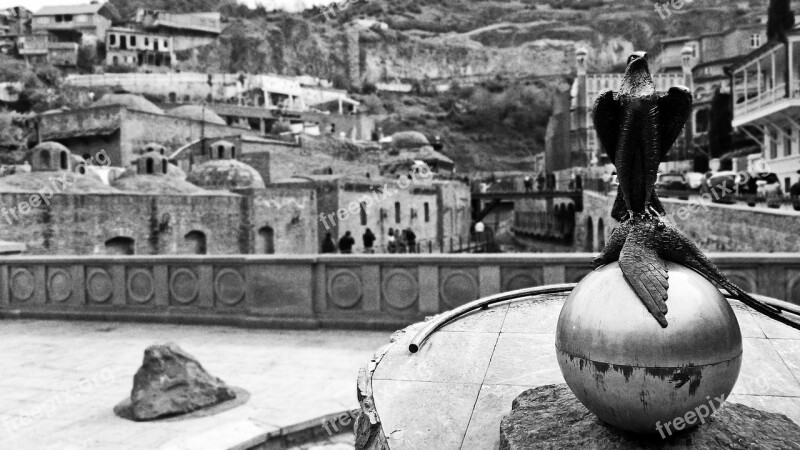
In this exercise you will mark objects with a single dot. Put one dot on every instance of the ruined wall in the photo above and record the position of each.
(81, 224)
(139, 129)
(717, 228)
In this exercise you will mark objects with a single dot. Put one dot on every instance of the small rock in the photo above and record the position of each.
(552, 417)
(172, 382)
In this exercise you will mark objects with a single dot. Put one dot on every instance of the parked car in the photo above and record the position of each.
(695, 180)
(769, 188)
(721, 186)
(672, 182)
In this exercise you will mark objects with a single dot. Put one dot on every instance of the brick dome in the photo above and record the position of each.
(227, 174)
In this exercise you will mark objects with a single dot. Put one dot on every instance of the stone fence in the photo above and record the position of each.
(343, 291)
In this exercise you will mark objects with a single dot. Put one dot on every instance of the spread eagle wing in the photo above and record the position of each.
(674, 108)
(607, 118)
(647, 274)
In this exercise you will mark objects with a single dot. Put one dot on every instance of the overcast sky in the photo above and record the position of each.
(291, 5)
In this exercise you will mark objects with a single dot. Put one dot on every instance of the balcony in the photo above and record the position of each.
(760, 86)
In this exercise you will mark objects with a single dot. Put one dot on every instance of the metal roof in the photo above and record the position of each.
(68, 9)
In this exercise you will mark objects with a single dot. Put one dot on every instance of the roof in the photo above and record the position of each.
(130, 101)
(69, 9)
(225, 174)
(199, 113)
(409, 139)
(155, 184)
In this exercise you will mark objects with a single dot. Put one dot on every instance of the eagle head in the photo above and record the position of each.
(637, 80)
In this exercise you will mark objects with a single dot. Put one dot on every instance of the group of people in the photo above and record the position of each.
(399, 241)
(545, 181)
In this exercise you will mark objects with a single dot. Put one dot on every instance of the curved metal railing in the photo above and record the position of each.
(483, 303)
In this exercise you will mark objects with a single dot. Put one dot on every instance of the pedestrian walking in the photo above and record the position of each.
(369, 239)
(391, 242)
(328, 246)
(411, 239)
(346, 243)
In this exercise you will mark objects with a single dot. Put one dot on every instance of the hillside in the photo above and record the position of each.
(504, 59)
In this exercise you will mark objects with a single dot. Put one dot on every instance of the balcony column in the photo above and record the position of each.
(758, 81)
(746, 90)
(772, 55)
(790, 69)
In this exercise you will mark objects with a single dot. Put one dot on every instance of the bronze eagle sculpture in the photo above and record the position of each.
(637, 127)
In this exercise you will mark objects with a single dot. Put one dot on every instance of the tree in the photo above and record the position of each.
(720, 130)
(780, 19)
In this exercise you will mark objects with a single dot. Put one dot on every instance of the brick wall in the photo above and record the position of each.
(81, 224)
(715, 228)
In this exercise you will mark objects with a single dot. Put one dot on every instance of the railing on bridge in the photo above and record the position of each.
(346, 291)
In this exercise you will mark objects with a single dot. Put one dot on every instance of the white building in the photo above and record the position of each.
(766, 102)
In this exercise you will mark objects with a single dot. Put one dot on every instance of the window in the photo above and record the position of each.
(112, 39)
(44, 157)
(146, 42)
(195, 242)
(427, 209)
(115, 60)
(166, 43)
(266, 241)
(396, 212)
(233, 152)
(68, 18)
(120, 246)
(133, 41)
(788, 183)
(363, 213)
(755, 40)
(787, 142)
(149, 166)
(164, 168)
(64, 161)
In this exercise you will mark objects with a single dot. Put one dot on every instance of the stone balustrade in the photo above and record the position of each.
(344, 291)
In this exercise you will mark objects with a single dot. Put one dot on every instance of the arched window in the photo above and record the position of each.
(363, 213)
(64, 160)
(601, 235)
(195, 242)
(44, 157)
(589, 245)
(396, 212)
(120, 245)
(149, 166)
(266, 241)
(164, 166)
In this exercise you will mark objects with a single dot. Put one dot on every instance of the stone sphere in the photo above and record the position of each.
(634, 374)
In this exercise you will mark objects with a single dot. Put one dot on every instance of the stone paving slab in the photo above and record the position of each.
(59, 382)
(425, 413)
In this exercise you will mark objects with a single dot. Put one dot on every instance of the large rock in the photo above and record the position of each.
(551, 417)
(172, 382)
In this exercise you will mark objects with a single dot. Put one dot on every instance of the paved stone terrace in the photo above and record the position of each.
(455, 391)
(60, 380)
